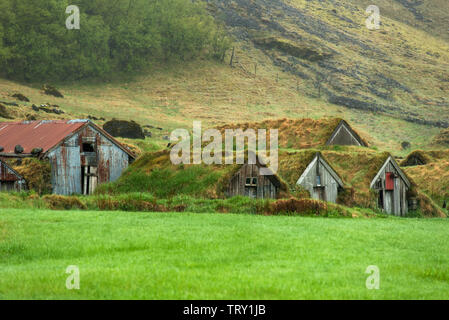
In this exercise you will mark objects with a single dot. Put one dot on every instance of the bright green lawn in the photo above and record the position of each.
(217, 256)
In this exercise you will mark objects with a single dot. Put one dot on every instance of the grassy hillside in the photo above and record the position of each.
(293, 59)
(190, 256)
(171, 97)
(399, 70)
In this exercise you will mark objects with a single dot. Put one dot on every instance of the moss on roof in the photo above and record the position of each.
(297, 133)
(432, 177)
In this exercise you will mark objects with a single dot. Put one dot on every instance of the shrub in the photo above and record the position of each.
(301, 206)
(129, 202)
(57, 202)
(37, 174)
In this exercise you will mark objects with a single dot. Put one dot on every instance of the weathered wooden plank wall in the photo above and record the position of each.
(395, 201)
(264, 188)
(328, 182)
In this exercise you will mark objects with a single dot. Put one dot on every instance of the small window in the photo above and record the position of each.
(88, 147)
(318, 180)
(251, 181)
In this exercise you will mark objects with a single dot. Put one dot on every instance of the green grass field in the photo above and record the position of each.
(219, 256)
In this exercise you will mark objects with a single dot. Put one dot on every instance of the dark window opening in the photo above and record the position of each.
(318, 180)
(380, 202)
(88, 147)
(251, 182)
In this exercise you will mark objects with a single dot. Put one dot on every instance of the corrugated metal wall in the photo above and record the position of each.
(67, 161)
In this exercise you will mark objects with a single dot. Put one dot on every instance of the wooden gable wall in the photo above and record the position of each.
(328, 187)
(392, 201)
(264, 188)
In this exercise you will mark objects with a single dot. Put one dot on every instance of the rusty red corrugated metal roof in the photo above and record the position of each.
(36, 134)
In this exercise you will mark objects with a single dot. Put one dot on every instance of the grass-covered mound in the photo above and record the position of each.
(296, 133)
(433, 176)
(154, 173)
(416, 158)
(421, 157)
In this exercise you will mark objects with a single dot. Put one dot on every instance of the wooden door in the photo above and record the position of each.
(320, 193)
(251, 192)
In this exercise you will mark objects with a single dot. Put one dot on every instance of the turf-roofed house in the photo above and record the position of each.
(80, 155)
(321, 180)
(392, 186)
(248, 181)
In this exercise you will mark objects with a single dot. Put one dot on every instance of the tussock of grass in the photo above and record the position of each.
(417, 157)
(146, 202)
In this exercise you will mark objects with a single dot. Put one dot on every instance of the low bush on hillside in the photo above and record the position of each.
(146, 202)
(309, 207)
(126, 202)
(57, 202)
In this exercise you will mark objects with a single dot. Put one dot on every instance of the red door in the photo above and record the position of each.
(389, 181)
